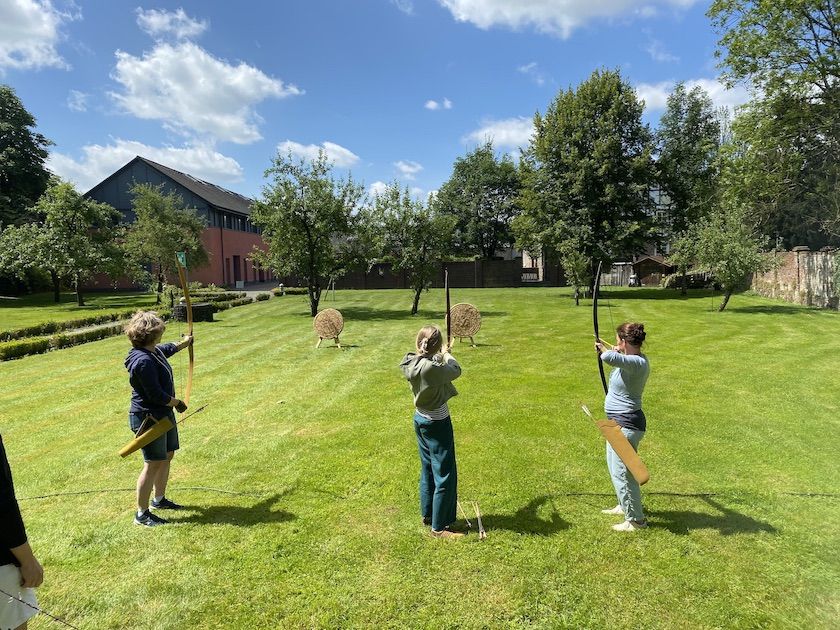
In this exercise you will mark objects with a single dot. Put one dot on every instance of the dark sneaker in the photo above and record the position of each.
(426, 520)
(166, 504)
(148, 519)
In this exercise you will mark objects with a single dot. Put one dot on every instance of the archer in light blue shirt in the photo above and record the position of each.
(627, 383)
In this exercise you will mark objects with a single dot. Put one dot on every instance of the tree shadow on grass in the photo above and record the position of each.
(262, 512)
(779, 309)
(728, 522)
(526, 520)
(362, 314)
(653, 293)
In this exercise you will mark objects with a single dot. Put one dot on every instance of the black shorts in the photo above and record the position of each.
(157, 450)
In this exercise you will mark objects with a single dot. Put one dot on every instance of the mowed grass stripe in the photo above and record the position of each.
(740, 405)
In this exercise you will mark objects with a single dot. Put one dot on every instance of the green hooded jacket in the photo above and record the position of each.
(431, 379)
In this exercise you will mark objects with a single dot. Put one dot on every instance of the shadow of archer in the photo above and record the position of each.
(241, 516)
(727, 522)
(526, 519)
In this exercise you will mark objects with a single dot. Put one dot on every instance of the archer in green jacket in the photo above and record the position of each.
(430, 371)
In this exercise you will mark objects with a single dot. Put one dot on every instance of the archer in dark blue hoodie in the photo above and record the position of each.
(152, 399)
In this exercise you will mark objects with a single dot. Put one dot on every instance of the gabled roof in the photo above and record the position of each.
(211, 193)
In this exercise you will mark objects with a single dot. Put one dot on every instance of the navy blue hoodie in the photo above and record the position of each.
(151, 377)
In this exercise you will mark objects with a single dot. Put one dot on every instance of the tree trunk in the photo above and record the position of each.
(726, 297)
(160, 283)
(417, 292)
(684, 283)
(56, 282)
(314, 298)
(79, 299)
(577, 296)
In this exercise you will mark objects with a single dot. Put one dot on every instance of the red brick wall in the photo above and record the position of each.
(222, 246)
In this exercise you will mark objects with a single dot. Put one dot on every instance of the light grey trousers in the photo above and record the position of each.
(627, 489)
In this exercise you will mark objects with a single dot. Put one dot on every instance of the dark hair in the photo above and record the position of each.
(632, 333)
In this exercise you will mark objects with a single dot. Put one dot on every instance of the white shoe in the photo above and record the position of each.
(616, 510)
(630, 526)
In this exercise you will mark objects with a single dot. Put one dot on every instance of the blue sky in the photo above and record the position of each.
(392, 89)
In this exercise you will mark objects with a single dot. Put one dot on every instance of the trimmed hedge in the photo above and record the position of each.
(225, 296)
(290, 291)
(17, 348)
(38, 345)
(53, 327)
(261, 297)
(223, 306)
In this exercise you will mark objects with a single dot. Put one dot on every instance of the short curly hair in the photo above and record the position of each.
(143, 328)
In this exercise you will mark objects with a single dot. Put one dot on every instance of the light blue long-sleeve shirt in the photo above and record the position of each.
(627, 381)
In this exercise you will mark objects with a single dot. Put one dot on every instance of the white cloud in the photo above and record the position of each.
(337, 154)
(99, 161)
(435, 105)
(509, 133)
(555, 17)
(655, 95)
(377, 188)
(29, 33)
(408, 169)
(77, 101)
(159, 23)
(657, 51)
(190, 90)
(406, 6)
(533, 71)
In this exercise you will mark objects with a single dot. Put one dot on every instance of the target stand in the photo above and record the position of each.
(328, 324)
(465, 321)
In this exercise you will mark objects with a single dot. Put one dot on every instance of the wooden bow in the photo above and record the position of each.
(181, 263)
(448, 308)
(595, 323)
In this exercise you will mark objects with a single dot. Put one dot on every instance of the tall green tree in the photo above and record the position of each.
(73, 238)
(163, 226)
(412, 236)
(482, 195)
(688, 148)
(308, 220)
(23, 177)
(688, 164)
(588, 173)
(784, 166)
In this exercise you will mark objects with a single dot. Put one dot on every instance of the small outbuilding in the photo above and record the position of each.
(650, 270)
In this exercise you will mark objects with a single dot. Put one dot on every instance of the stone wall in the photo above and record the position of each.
(800, 276)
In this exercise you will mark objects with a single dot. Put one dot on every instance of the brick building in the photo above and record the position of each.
(229, 237)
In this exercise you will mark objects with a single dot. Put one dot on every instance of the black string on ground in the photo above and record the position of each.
(40, 610)
(106, 490)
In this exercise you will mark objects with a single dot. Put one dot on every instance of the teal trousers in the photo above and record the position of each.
(438, 471)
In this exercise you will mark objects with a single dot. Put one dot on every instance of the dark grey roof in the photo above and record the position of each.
(211, 193)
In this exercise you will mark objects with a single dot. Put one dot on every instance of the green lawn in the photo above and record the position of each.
(39, 308)
(742, 447)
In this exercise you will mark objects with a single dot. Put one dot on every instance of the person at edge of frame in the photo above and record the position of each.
(20, 571)
(623, 404)
(153, 393)
(430, 371)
